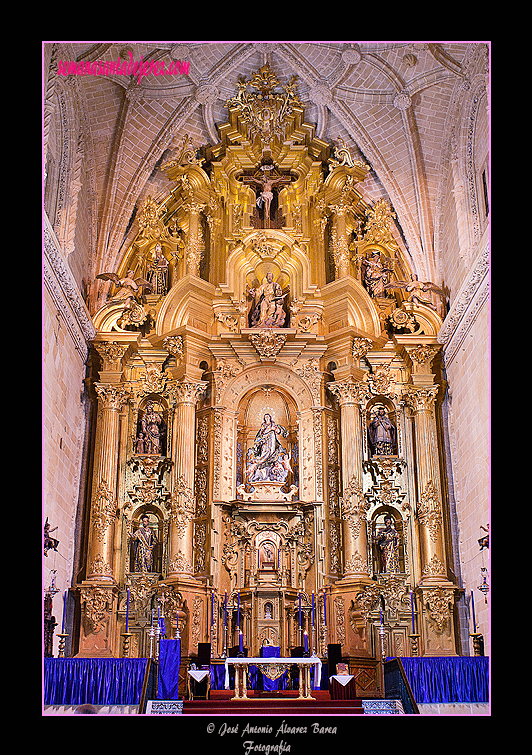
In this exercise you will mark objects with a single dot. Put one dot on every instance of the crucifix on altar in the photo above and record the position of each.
(265, 179)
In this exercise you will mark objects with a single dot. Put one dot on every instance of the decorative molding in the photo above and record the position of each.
(468, 303)
(63, 289)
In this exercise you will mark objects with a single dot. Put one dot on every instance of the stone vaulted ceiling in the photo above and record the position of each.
(394, 105)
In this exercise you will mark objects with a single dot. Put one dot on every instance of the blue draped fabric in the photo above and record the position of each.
(448, 679)
(217, 676)
(169, 662)
(272, 651)
(99, 681)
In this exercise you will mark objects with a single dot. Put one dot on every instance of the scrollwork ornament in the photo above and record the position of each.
(429, 510)
(96, 602)
(182, 505)
(354, 506)
(104, 510)
(439, 602)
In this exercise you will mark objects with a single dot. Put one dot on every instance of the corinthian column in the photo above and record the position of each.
(353, 502)
(183, 501)
(340, 246)
(429, 506)
(104, 504)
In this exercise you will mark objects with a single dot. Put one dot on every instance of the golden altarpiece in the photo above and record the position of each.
(268, 410)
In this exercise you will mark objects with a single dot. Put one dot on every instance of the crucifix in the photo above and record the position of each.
(265, 194)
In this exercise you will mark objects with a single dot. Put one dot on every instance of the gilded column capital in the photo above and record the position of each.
(188, 391)
(112, 396)
(421, 399)
(112, 353)
(348, 392)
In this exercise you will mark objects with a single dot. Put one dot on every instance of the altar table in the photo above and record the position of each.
(273, 668)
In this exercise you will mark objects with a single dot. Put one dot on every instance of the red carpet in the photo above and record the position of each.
(271, 704)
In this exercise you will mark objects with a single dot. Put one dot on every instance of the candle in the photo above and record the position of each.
(212, 609)
(64, 611)
(413, 613)
(313, 614)
(225, 621)
(380, 611)
(127, 611)
(300, 610)
(240, 641)
(473, 612)
(152, 617)
(238, 611)
(305, 639)
(325, 610)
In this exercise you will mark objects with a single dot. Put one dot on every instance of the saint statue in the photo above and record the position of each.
(267, 310)
(149, 439)
(145, 541)
(388, 544)
(267, 459)
(382, 435)
(376, 273)
(157, 274)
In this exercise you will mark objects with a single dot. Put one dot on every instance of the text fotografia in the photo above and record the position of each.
(120, 67)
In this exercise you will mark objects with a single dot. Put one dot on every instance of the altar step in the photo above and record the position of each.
(271, 704)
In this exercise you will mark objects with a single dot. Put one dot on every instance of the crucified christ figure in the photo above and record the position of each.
(264, 198)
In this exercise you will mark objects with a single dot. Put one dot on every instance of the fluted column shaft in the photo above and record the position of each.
(183, 502)
(353, 502)
(429, 506)
(104, 504)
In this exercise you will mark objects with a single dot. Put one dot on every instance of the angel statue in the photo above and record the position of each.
(130, 292)
(129, 288)
(414, 288)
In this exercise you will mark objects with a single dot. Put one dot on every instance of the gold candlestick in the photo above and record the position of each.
(62, 640)
(414, 644)
(478, 642)
(125, 643)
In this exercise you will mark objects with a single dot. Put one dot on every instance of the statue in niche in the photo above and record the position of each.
(267, 310)
(376, 273)
(157, 273)
(152, 428)
(382, 434)
(387, 540)
(267, 459)
(267, 555)
(144, 540)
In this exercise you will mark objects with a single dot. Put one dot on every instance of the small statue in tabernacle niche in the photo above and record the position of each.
(267, 309)
(144, 541)
(388, 544)
(151, 433)
(157, 273)
(382, 434)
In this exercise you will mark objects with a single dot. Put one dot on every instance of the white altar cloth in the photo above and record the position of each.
(342, 678)
(199, 674)
(313, 660)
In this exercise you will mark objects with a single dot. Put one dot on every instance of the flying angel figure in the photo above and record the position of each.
(130, 288)
(415, 287)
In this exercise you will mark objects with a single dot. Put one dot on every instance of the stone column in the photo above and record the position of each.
(183, 500)
(353, 503)
(104, 504)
